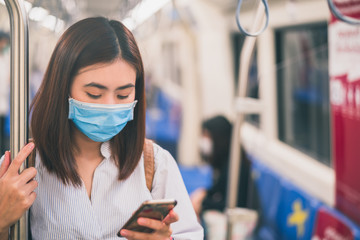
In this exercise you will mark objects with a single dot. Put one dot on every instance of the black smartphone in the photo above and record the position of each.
(154, 209)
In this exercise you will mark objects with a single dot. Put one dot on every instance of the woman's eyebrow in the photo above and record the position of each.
(126, 86)
(92, 84)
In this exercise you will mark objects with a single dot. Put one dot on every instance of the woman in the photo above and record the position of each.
(88, 125)
(215, 150)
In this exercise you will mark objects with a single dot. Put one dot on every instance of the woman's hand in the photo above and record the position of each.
(16, 190)
(162, 228)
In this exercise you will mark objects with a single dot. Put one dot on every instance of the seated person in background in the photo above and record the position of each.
(214, 149)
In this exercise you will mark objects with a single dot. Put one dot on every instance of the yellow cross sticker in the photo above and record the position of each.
(298, 218)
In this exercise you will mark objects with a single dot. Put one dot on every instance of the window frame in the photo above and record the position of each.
(279, 34)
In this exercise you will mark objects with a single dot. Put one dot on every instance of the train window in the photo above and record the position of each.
(303, 89)
(253, 81)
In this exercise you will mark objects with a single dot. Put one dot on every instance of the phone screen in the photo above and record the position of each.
(154, 209)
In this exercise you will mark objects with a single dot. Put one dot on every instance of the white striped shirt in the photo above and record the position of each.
(66, 212)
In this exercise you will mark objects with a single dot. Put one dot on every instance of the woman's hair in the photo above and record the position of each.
(220, 132)
(87, 42)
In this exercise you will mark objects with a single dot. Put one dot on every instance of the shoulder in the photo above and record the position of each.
(37, 163)
(161, 154)
(163, 159)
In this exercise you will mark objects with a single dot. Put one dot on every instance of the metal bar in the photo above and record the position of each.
(18, 94)
(245, 58)
(235, 157)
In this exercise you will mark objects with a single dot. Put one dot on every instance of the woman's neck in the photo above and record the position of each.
(85, 147)
(87, 157)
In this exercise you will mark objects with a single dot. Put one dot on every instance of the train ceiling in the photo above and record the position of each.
(72, 10)
(57, 14)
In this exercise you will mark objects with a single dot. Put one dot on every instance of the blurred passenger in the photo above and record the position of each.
(214, 149)
(88, 126)
(4, 89)
(36, 77)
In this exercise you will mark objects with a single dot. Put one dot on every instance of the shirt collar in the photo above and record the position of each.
(105, 149)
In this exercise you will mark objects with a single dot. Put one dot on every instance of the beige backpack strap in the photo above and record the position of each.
(149, 164)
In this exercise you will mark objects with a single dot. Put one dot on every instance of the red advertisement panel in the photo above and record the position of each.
(330, 227)
(344, 70)
(350, 8)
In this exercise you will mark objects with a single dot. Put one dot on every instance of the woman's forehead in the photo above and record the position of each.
(92, 67)
(118, 72)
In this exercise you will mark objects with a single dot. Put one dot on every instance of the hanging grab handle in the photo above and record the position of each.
(243, 29)
(341, 16)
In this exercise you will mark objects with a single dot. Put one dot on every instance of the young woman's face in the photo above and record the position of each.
(112, 83)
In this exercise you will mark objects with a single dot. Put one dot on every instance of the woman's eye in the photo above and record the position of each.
(93, 96)
(122, 97)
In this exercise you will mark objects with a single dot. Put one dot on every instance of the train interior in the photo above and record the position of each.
(291, 93)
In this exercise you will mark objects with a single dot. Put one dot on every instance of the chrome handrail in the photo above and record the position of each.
(235, 148)
(18, 94)
(235, 159)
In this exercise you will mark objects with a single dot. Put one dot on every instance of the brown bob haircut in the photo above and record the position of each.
(87, 42)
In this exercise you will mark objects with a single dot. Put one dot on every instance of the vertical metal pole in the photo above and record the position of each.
(235, 150)
(245, 59)
(18, 94)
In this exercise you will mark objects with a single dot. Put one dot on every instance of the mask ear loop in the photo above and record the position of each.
(239, 24)
(341, 16)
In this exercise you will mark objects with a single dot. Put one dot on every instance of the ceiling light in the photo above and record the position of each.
(143, 11)
(38, 14)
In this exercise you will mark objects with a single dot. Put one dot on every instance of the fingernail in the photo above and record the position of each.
(31, 145)
(124, 233)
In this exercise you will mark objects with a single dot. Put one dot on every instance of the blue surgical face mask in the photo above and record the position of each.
(100, 122)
